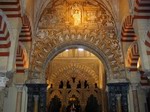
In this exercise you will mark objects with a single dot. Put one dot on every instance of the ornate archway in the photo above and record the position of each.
(94, 29)
(70, 24)
(46, 48)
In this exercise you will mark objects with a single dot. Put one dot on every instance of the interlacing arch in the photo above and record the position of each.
(56, 93)
(133, 56)
(74, 70)
(92, 92)
(74, 92)
(141, 9)
(25, 34)
(21, 59)
(11, 9)
(5, 35)
(147, 43)
(128, 31)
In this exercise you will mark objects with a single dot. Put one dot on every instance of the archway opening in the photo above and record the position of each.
(92, 105)
(54, 105)
(76, 73)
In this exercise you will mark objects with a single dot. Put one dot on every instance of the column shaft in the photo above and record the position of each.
(135, 97)
(36, 98)
(19, 98)
(135, 101)
(119, 103)
(18, 102)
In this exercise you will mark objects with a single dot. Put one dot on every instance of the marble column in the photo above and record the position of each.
(36, 99)
(104, 100)
(118, 103)
(3, 81)
(2, 96)
(42, 97)
(19, 97)
(135, 97)
(36, 104)
(83, 105)
(30, 102)
(113, 90)
(142, 28)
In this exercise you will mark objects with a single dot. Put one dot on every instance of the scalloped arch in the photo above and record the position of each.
(64, 75)
(74, 92)
(56, 93)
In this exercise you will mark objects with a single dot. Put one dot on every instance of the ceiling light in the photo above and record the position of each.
(80, 49)
(66, 50)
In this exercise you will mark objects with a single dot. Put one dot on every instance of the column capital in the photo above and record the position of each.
(26, 71)
(19, 87)
(147, 73)
(10, 74)
(3, 80)
(134, 86)
(124, 80)
(118, 95)
(35, 77)
(36, 81)
(36, 97)
(5, 77)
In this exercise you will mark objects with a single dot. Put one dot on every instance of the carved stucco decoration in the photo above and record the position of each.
(99, 35)
(80, 14)
(80, 72)
(42, 5)
(56, 39)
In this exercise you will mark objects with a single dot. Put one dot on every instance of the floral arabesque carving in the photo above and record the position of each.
(81, 13)
(97, 39)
